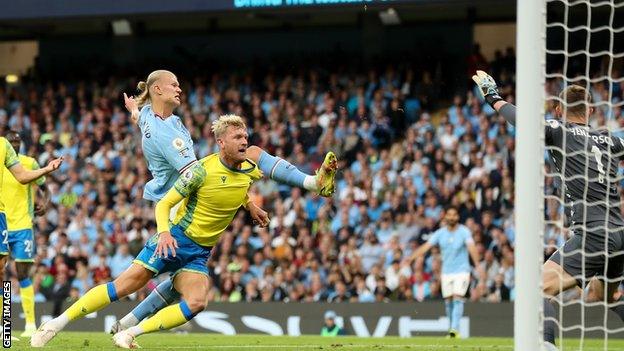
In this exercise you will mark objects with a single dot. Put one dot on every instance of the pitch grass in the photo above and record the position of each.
(181, 342)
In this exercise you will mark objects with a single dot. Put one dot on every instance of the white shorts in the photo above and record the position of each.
(455, 284)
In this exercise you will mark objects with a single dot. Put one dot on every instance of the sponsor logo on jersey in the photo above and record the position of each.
(178, 143)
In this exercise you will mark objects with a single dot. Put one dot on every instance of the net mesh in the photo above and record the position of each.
(585, 47)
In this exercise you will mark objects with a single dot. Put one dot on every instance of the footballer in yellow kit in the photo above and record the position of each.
(19, 242)
(9, 201)
(212, 194)
(203, 216)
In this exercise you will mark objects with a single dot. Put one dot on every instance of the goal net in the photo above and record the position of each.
(563, 43)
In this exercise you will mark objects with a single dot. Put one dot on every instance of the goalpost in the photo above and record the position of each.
(586, 48)
(529, 176)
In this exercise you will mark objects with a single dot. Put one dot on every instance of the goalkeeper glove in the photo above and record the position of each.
(488, 87)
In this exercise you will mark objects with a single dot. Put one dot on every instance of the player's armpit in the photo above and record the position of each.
(190, 180)
(163, 208)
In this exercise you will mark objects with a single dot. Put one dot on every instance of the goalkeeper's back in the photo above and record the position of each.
(586, 161)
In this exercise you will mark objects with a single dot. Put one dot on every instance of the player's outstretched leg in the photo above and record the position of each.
(193, 286)
(282, 171)
(94, 300)
(162, 296)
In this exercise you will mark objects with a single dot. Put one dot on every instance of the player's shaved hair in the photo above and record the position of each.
(144, 86)
(220, 125)
(575, 100)
(12, 133)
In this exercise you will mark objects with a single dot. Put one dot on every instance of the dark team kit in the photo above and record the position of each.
(586, 163)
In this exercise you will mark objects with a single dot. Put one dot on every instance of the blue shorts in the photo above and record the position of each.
(190, 256)
(19, 243)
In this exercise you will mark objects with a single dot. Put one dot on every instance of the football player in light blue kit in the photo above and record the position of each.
(168, 150)
(455, 243)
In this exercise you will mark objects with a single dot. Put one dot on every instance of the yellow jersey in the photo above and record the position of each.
(207, 211)
(20, 198)
(8, 158)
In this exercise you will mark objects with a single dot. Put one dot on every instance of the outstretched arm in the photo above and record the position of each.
(421, 251)
(25, 176)
(489, 90)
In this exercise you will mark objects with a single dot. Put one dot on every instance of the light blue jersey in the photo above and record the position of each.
(454, 248)
(168, 150)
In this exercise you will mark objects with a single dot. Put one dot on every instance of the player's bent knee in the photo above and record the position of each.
(551, 290)
(253, 153)
(196, 303)
(23, 270)
(131, 280)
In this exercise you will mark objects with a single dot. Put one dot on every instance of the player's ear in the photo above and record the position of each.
(157, 89)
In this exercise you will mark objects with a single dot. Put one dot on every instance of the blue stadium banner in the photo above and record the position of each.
(23, 9)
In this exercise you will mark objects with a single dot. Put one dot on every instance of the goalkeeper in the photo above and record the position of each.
(587, 161)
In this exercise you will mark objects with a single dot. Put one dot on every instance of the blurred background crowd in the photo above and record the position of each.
(407, 150)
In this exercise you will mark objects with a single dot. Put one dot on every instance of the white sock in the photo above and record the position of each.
(309, 183)
(135, 331)
(128, 321)
(59, 322)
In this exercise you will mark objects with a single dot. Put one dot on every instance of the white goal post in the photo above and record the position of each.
(585, 47)
(529, 177)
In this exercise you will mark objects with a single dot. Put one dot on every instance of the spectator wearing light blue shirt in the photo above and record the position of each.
(121, 260)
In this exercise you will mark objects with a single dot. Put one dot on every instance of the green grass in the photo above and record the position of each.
(180, 342)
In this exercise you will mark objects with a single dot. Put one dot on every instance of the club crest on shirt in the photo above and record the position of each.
(223, 179)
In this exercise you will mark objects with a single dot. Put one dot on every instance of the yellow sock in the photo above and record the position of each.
(94, 300)
(27, 294)
(167, 318)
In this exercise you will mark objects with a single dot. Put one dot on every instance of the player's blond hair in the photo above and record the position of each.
(220, 125)
(144, 86)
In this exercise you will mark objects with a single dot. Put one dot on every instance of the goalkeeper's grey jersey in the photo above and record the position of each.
(587, 172)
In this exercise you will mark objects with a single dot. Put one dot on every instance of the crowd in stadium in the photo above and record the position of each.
(404, 159)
